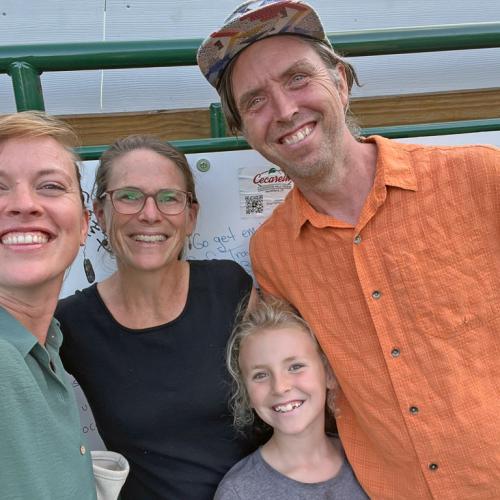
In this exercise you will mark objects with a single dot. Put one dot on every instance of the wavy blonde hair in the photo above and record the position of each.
(271, 313)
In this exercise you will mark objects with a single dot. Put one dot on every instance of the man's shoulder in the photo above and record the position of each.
(472, 153)
(77, 303)
(391, 146)
(474, 164)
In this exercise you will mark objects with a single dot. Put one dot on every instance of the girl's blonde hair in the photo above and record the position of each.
(271, 313)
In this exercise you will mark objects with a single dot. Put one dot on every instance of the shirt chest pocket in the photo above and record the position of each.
(450, 286)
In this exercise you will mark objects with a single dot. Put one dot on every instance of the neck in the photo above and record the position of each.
(33, 308)
(296, 448)
(309, 457)
(343, 195)
(140, 299)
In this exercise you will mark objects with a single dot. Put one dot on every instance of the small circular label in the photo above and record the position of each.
(203, 165)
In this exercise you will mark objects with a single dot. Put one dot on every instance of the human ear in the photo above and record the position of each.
(192, 215)
(342, 86)
(84, 226)
(99, 214)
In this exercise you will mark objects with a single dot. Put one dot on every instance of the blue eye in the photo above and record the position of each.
(298, 80)
(51, 189)
(255, 102)
(259, 376)
(128, 195)
(296, 367)
(169, 196)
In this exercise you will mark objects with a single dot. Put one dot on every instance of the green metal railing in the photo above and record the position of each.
(25, 64)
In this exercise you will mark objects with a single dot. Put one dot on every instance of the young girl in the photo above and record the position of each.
(282, 378)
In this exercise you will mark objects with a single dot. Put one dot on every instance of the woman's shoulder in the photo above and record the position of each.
(218, 265)
(79, 301)
(220, 271)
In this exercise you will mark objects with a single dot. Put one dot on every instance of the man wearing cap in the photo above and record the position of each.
(390, 251)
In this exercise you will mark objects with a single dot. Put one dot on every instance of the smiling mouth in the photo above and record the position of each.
(285, 408)
(30, 238)
(298, 136)
(150, 238)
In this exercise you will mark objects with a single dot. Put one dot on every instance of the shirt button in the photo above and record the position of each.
(82, 450)
(395, 352)
(433, 466)
(357, 239)
(376, 294)
(413, 410)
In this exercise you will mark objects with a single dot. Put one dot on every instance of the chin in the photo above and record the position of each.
(27, 280)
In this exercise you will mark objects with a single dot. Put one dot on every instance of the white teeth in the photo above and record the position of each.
(287, 407)
(149, 238)
(24, 238)
(298, 136)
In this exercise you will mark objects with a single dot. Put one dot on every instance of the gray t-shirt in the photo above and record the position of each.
(254, 479)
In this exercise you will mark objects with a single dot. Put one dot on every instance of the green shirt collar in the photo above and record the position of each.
(22, 339)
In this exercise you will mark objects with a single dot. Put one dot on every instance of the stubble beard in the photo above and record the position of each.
(322, 173)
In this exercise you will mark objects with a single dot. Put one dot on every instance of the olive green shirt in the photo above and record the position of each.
(42, 453)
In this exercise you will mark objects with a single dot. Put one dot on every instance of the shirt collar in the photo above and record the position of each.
(393, 169)
(16, 334)
(394, 162)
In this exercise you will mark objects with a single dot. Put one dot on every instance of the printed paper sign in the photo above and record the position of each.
(261, 191)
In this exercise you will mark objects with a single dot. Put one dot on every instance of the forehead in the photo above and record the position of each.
(277, 344)
(269, 59)
(34, 154)
(142, 167)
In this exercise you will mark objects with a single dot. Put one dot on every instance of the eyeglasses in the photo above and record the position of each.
(129, 201)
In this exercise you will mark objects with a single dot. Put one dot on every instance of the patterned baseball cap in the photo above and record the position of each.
(253, 21)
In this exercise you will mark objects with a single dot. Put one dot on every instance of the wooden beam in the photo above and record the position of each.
(427, 108)
(407, 109)
(99, 129)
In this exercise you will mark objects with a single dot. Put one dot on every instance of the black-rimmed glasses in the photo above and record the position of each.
(129, 201)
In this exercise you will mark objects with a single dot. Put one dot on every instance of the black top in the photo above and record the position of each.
(159, 395)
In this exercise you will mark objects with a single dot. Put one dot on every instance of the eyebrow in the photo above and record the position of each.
(301, 64)
(286, 360)
(44, 172)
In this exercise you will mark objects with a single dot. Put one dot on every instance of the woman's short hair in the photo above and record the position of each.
(271, 313)
(31, 124)
(140, 141)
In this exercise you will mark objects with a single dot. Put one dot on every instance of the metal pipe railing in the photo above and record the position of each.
(25, 64)
(182, 52)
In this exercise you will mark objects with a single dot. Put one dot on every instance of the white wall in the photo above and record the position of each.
(170, 88)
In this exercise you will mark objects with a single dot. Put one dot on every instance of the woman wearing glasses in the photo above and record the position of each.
(147, 344)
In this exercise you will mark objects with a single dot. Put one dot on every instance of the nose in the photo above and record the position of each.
(21, 201)
(281, 383)
(150, 212)
(284, 106)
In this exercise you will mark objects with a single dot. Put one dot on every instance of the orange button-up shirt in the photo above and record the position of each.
(406, 306)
